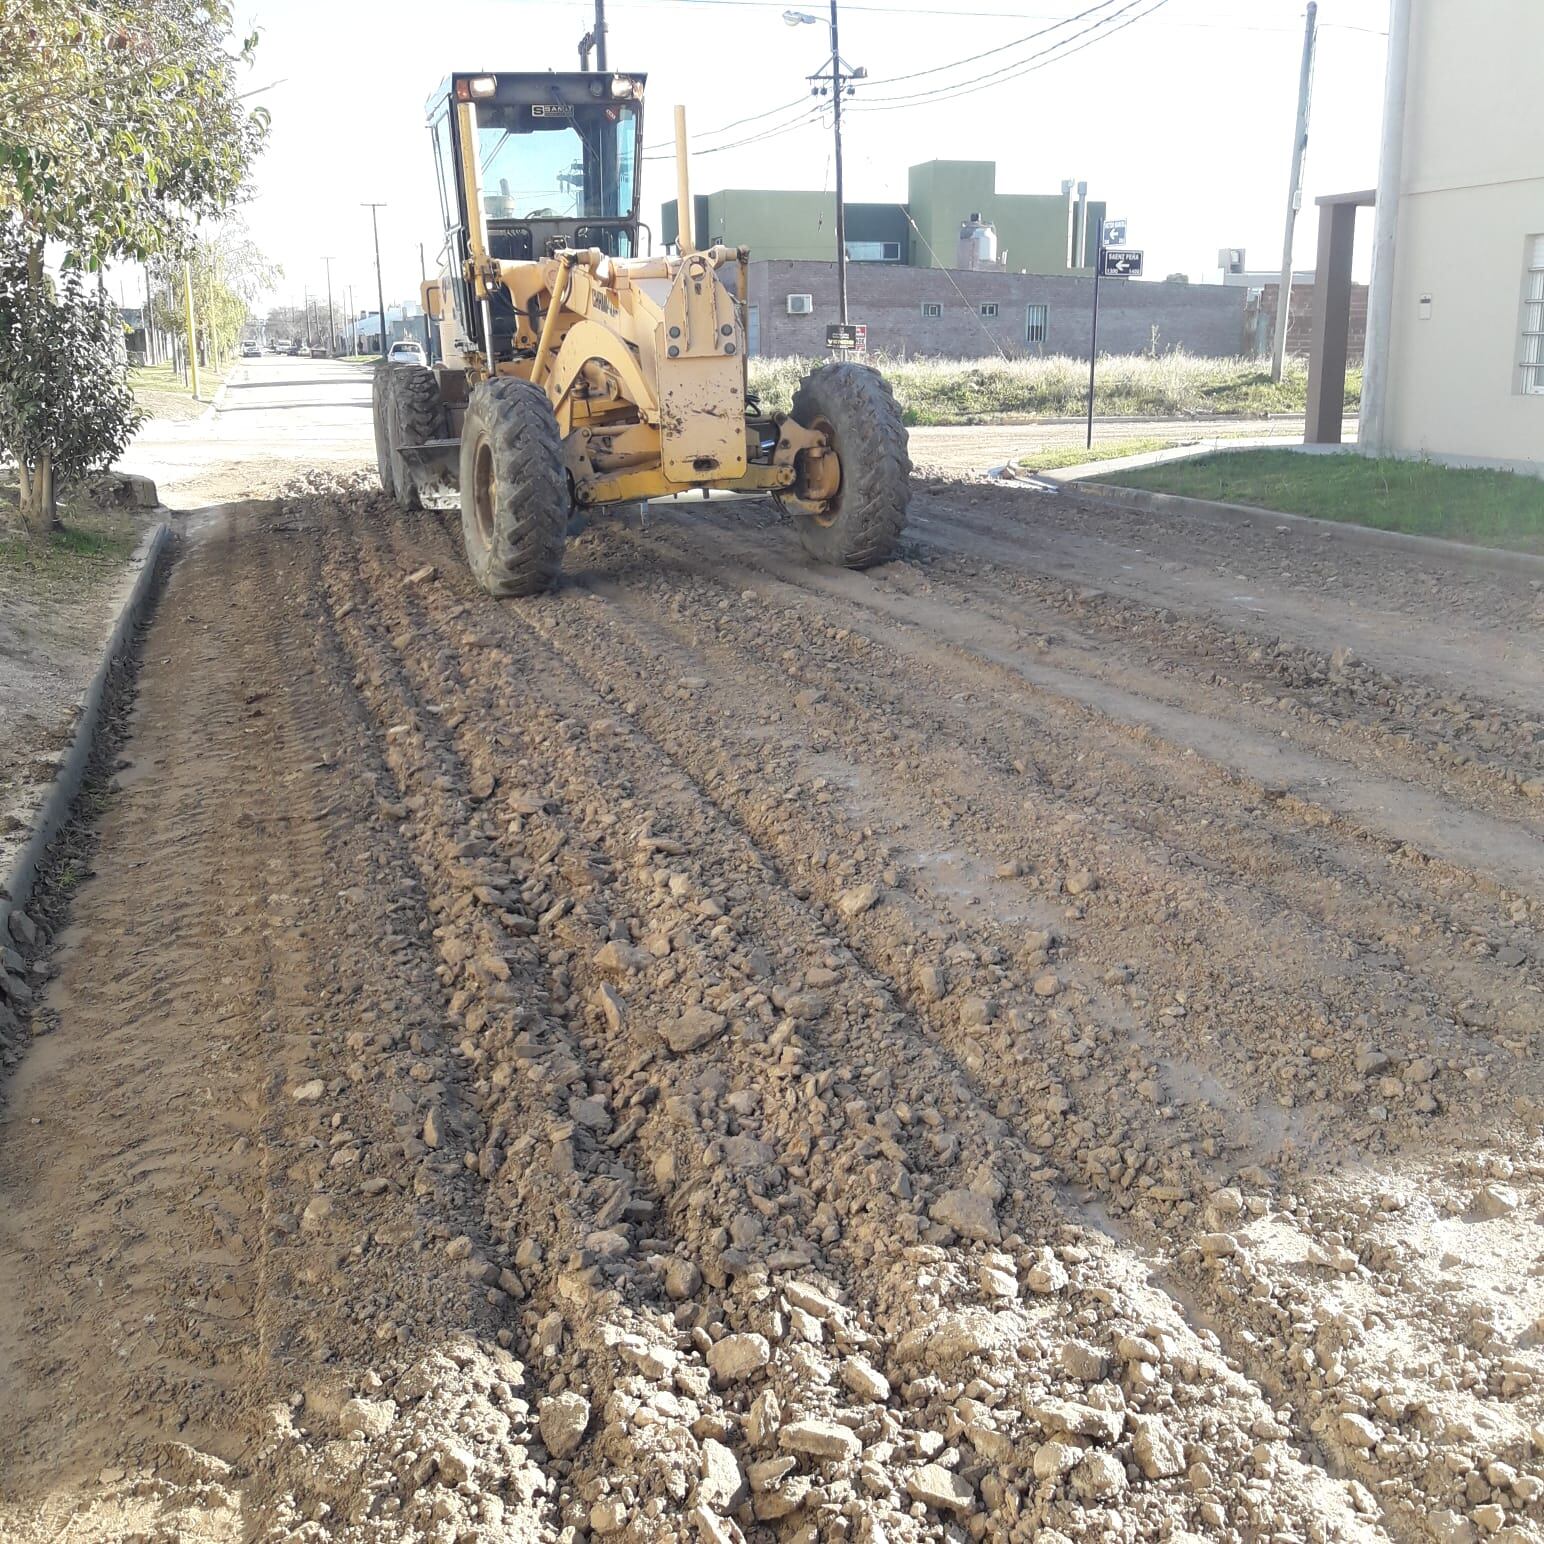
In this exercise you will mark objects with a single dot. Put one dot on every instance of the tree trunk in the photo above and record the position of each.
(38, 505)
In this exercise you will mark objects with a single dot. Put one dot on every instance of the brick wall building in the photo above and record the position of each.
(1260, 321)
(965, 314)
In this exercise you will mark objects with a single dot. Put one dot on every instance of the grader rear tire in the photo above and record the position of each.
(415, 414)
(855, 408)
(380, 413)
(514, 488)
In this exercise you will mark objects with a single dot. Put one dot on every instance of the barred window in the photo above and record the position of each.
(932, 308)
(988, 308)
(1037, 323)
(1532, 357)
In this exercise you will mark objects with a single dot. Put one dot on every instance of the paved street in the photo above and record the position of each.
(278, 419)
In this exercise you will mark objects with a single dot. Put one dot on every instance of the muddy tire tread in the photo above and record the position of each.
(859, 403)
(531, 523)
(416, 415)
(380, 400)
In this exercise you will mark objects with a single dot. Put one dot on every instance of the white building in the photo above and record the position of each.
(362, 333)
(1455, 346)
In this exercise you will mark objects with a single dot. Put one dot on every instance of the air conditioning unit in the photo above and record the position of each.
(800, 305)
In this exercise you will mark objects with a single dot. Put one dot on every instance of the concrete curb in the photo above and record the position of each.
(1452, 554)
(214, 405)
(1188, 452)
(18, 881)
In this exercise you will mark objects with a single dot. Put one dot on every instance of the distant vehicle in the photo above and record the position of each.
(406, 352)
(251, 349)
(297, 349)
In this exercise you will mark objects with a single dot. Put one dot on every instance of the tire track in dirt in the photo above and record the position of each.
(1470, 748)
(1384, 808)
(614, 753)
(658, 1180)
(1238, 840)
(200, 992)
(1403, 614)
(647, 650)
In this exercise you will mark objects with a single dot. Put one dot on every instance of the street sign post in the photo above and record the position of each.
(1120, 263)
(1114, 260)
(847, 337)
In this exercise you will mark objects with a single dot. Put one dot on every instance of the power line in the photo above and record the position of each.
(669, 144)
(931, 15)
(890, 80)
(808, 116)
(1094, 32)
(1046, 57)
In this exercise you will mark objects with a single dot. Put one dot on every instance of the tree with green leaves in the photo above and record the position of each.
(228, 273)
(65, 405)
(121, 127)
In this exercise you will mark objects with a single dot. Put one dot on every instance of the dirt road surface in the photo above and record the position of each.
(1035, 1042)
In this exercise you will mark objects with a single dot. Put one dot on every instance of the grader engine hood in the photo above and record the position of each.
(697, 349)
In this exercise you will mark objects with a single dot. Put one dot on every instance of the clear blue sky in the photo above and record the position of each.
(1182, 121)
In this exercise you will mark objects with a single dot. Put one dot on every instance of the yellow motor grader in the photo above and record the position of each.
(575, 372)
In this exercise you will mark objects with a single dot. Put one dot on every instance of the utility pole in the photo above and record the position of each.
(839, 83)
(332, 335)
(841, 213)
(353, 322)
(306, 302)
(1295, 187)
(423, 280)
(1093, 332)
(380, 294)
(187, 308)
(595, 38)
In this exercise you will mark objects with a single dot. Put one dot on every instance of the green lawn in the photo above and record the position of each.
(1050, 458)
(1489, 509)
(163, 393)
(94, 544)
(979, 391)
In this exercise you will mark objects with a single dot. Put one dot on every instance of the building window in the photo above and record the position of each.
(932, 308)
(1037, 323)
(874, 251)
(988, 308)
(1533, 319)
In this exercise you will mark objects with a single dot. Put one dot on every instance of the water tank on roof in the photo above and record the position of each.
(977, 244)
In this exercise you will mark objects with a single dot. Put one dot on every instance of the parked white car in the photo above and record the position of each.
(406, 352)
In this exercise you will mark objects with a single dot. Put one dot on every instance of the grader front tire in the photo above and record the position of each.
(514, 488)
(855, 409)
(415, 414)
(380, 413)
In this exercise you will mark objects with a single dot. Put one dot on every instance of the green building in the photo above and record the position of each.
(1043, 233)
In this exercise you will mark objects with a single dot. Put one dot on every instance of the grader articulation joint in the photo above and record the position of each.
(574, 372)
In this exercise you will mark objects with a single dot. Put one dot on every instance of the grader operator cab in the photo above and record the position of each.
(574, 371)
